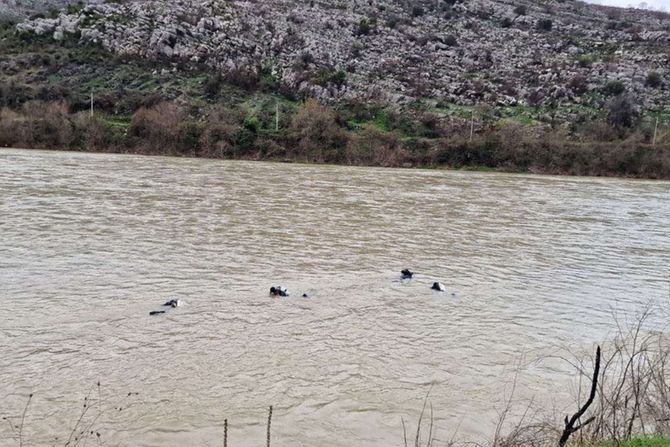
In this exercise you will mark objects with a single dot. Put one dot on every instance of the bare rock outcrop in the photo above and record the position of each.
(466, 52)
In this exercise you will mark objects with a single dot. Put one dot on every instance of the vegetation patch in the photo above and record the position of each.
(653, 441)
(184, 109)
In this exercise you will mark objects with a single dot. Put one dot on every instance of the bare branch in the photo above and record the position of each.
(570, 424)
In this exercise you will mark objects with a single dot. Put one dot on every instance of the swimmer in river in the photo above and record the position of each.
(438, 286)
(278, 291)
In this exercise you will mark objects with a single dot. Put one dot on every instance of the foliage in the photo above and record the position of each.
(327, 76)
(614, 88)
(654, 79)
(450, 40)
(651, 441)
(213, 85)
(365, 27)
(520, 10)
(621, 112)
(544, 24)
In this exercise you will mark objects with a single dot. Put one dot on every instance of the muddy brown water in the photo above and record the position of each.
(91, 243)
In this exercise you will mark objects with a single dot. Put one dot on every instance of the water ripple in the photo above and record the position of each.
(91, 243)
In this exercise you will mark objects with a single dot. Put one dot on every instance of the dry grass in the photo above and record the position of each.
(628, 402)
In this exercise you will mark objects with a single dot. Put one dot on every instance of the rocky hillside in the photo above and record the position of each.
(496, 52)
(16, 9)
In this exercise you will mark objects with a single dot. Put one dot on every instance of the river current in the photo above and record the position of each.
(91, 243)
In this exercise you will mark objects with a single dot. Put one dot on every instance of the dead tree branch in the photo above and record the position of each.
(570, 426)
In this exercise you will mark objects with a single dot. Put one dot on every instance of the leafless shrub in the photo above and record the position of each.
(12, 128)
(373, 147)
(245, 77)
(40, 124)
(164, 127)
(90, 131)
(417, 438)
(86, 426)
(220, 132)
(319, 135)
(632, 384)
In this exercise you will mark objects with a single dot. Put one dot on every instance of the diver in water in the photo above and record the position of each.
(172, 303)
(278, 291)
(438, 286)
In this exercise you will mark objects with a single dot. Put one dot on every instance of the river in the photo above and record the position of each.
(91, 243)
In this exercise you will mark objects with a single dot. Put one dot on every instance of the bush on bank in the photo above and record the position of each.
(320, 134)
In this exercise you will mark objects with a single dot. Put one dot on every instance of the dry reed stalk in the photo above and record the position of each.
(269, 425)
(23, 419)
(225, 433)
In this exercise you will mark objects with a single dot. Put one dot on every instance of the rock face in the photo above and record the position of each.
(16, 9)
(500, 52)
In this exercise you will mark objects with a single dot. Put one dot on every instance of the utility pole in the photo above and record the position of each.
(277, 117)
(653, 142)
(472, 124)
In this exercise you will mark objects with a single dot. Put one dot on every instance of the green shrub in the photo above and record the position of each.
(520, 10)
(364, 28)
(220, 133)
(267, 79)
(653, 441)
(392, 21)
(544, 24)
(90, 132)
(306, 58)
(213, 85)
(621, 112)
(585, 60)
(7, 24)
(243, 77)
(450, 40)
(252, 124)
(614, 88)
(578, 84)
(653, 79)
(329, 76)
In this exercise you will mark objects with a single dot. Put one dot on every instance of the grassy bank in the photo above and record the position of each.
(652, 441)
(185, 110)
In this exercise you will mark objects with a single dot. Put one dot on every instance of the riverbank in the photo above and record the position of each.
(651, 441)
(315, 137)
(49, 88)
